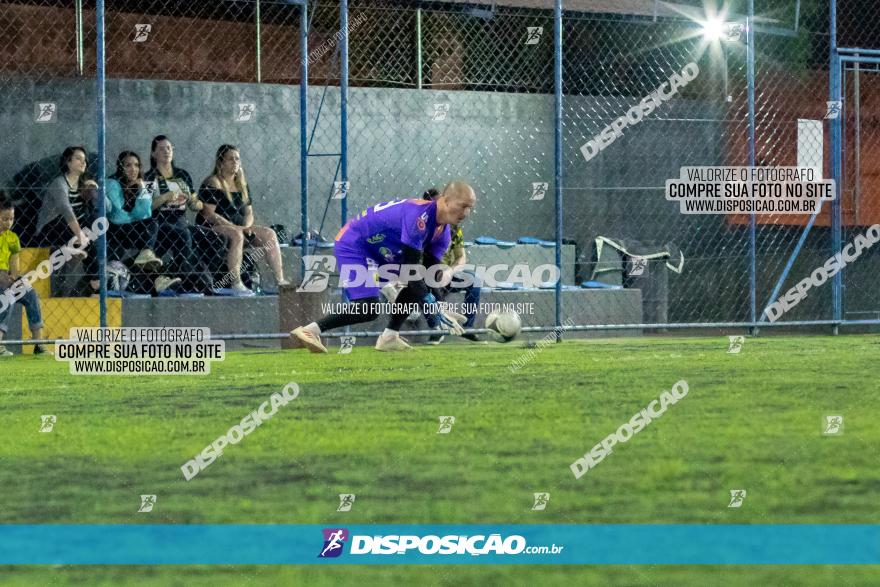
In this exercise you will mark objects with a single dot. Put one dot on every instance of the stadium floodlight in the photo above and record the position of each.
(713, 29)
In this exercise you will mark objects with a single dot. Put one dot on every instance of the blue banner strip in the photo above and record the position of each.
(466, 544)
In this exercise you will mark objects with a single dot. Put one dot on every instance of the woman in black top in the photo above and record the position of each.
(228, 212)
(173, 193)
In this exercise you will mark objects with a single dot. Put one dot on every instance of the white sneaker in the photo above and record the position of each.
(241, 289)
(281, 282)
(391, 344)
(162, 282)
(147, 257)
(4, 352)
(309, 339)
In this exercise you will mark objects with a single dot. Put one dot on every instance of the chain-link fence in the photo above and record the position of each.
(858, 41)
(425, 93)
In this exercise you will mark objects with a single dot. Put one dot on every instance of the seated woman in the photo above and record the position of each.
(67, 206)
(172, 195)
(228, 212)
(130, 212)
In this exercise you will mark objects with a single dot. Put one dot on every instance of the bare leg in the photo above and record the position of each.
(265, 237)
(235, 240)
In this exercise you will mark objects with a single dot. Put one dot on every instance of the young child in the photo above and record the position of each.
(9, 249)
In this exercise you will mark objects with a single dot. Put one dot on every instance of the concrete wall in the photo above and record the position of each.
(499, 142)
(502, 143)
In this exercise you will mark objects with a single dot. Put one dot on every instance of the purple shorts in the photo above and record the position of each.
(359, 266)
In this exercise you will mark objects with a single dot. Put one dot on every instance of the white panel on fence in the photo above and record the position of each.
(810, 145)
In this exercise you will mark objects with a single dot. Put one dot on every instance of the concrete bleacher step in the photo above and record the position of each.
(582, 306)
(60, 315)
(249, 315)
(28, 259)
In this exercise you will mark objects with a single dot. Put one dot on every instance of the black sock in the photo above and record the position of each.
(358, 312)
(408, 296)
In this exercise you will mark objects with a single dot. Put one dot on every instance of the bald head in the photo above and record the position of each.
(455, 203)
(459, 189)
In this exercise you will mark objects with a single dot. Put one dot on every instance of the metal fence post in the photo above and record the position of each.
(101, 110)
(259, 41)
(303, 130)
(836, 163)
(79, 37)
(419, 48)
(343, 106)
(557, 44)
(750, 74)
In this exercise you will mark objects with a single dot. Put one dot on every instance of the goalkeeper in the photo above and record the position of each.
(404, 232)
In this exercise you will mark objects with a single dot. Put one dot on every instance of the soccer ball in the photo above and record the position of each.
(503, 326)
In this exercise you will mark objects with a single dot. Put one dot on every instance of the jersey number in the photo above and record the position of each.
(384, 205)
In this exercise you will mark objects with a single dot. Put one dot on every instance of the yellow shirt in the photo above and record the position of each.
(9, 245)
(457, 241)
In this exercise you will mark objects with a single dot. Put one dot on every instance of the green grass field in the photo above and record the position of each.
(366, 423)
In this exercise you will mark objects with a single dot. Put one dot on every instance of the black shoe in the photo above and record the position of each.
(473, 337)
(41, 350)
(436, 339)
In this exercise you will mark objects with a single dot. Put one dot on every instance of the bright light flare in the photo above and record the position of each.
(713, 29)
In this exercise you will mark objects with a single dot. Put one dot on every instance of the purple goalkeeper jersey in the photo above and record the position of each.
(381, 231)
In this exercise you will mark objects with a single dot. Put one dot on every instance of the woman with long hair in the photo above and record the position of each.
(67, 206)
(67, 203)
(228, 212)
(173, 193)
(130, 212)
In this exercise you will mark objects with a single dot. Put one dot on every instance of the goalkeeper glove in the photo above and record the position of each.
(450, 322)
